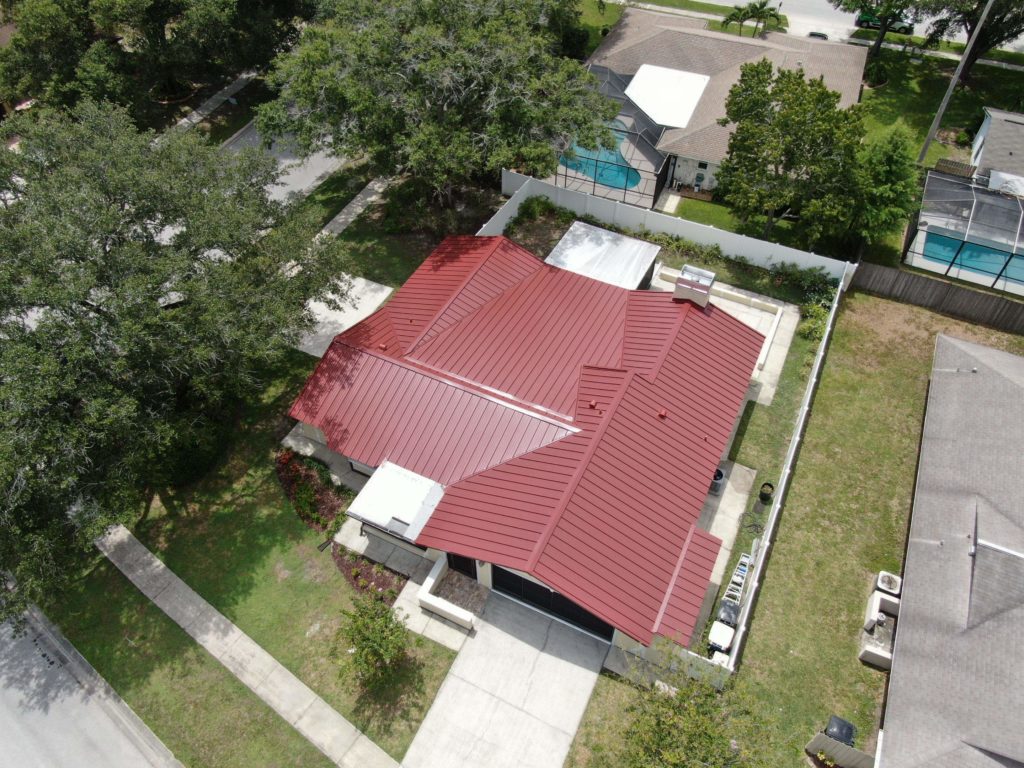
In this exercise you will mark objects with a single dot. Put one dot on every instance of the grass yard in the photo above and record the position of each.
(234, 538)
(326, 201)
(914, 91)
(846, 518)
(204, 715)
(392, 238)
(595, 21)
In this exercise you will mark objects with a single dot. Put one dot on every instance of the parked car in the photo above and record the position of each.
(867, 20)
(818, 35)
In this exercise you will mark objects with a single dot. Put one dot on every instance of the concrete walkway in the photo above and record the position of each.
(514, 696)
(369, 194)
(310, 715)
(205, 109)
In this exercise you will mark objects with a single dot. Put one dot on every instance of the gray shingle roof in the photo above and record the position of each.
(1004, 144)
(647, 37)
(956, 690)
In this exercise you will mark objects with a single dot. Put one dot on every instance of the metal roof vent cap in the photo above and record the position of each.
(694, 284)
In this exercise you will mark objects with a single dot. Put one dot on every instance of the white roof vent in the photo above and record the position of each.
(694, 284)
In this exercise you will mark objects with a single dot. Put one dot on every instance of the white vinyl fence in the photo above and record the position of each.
(759, 252)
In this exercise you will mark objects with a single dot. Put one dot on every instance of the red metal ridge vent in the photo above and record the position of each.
(528, 391)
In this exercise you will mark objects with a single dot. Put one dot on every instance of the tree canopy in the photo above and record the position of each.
(442, 90)
(886, 11)
(793, 150)
(1005, 23)
(795, 153)
(140, 298)
(131, 50)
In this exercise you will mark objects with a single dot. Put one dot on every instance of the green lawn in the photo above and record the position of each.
(234, 538)
(326, 201)
(595, 22)
(845, 518)
(721, 216)
(914, 91)
(392, 238)
(945, 46)
(204, 715)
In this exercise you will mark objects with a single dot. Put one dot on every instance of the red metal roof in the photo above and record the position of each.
(608, 516)
(575, 424)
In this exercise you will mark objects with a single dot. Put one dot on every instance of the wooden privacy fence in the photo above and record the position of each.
(985, 308)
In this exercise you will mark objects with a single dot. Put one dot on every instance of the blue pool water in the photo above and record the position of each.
(606, 166)
(975, 258)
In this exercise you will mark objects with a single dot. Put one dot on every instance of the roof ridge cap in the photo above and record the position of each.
(670, 340)
(584, 461)
(458, 291)
(673, 579)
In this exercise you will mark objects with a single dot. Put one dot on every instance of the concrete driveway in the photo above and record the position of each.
(55, 711)
(300, 175)
(514, 696)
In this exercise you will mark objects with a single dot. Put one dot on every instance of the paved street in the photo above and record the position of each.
(56, 712)
(300, 175)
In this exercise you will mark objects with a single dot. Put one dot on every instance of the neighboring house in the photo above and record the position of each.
(553, 435)
(998, 151)
(672, 78)
(956, 689)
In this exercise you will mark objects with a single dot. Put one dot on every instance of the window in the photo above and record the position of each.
(702, 165)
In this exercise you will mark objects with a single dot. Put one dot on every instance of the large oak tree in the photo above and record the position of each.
(140, 298)
(440, 89)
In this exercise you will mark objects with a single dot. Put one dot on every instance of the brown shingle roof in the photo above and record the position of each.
(645, 37)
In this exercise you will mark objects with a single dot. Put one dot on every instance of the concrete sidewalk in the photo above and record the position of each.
(310, 715)
(209, 106)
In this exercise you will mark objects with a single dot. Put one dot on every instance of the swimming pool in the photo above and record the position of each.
(606, 166)
(979, 259)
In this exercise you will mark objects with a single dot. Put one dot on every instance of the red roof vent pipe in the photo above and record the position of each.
(662, 413)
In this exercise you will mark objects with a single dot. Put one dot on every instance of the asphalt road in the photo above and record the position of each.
(55, 711)
(299, 175)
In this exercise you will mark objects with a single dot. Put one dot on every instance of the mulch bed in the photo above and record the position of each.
(463, 591)
(317, 501)
(366, 576)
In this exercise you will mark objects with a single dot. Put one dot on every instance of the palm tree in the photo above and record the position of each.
(740, 14)
(762, 13)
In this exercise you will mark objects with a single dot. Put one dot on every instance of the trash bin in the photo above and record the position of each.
(841, 730)
(717, 483)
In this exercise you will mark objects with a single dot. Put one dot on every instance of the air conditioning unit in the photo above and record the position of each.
(694, 284)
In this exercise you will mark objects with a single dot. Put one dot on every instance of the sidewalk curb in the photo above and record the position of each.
(95, 686)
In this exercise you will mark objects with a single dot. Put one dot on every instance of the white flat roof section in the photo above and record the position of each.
(397, 500)
(668, 96)
(602, 255)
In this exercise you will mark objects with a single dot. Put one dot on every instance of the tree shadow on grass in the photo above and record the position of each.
(397, 704)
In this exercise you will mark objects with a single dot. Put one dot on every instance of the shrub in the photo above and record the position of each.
(377, 640)
(685, 729)
(815, 320)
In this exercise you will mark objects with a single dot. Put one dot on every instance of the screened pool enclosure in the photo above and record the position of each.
(971, 233)
(633, 171)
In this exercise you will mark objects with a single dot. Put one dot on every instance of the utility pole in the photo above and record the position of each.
(953, 83)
